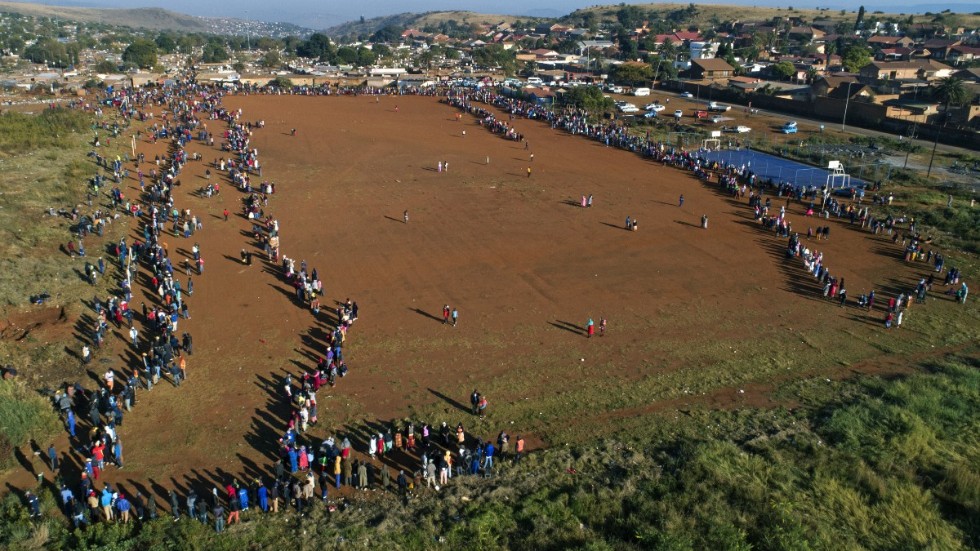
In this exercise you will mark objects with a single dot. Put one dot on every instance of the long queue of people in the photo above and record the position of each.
(147, 260)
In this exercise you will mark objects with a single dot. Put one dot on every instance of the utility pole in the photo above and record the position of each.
(911, 145)
(935, 144)
(847, 100)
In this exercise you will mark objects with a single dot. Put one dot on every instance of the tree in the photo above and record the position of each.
(952, 91)
(589, 98)
(388, 33)
(784, 70)
(49, 51)
(105, 66)
(859, 22)
(855, 57)
(380, 50)
(142, 53)
(214, 52)
(281, 82)
(347, 55)
(530, 67)
(166, 43)
(632, 73)
(365, 57)
(271, 60)
(317, 46)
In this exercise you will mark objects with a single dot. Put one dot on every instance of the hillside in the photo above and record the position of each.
(147, 18)
(716, 13)
(419, 21)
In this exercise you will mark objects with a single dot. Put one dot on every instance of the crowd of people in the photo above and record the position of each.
(400, 457)
(732, 180)
(419, 454)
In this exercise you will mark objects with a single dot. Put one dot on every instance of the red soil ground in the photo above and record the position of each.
(525, 265)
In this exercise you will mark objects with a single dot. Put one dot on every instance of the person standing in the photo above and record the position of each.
(602, 326)
(680, 202)
(445, 314)
(528, 172)
(71, 423)
(405, 216)
(590, 328)
(117, 452)
(53, 458)
(519, 449)
(704, 221)
(225, 212)
(455, 316)
(219, 517)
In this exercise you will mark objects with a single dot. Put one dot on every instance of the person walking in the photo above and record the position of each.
(455, 316)
(226, 213)
(53, 458)
(680, 202)
(405, 216)
(602, 326)
(445, 314)
(704, 221)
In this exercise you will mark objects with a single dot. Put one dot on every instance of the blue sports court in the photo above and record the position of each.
(776, 168)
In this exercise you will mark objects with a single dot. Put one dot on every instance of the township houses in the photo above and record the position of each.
(924, 69)
(711, 69)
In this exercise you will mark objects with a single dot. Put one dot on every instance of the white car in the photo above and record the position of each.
(629, 108)
(742, 129)
(678, 114)
(650, 115)
(655, 107)
(687, 95)
(718, 118)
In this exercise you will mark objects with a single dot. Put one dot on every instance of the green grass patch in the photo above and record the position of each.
(24, 416)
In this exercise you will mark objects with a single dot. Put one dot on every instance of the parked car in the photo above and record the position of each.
(742, 129)
(641, 92)
(678, 114)
(628, 108)
(717, 107)
(718, 119)
(650, 115)
(789, 128)
(656, 107)
(687, 95)
(700, 114)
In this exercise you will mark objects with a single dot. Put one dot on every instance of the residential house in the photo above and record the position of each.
(825, 84)
(711, 69)
(960, 54)
(927, 70)
(940, 47)
(894, 54)
(879, 41)
(852, 92)
(806, 35)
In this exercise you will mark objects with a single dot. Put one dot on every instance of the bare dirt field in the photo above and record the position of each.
(525, 265)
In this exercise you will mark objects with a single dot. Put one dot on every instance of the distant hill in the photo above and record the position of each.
(709, 13)
(137, 18)
(420, 20)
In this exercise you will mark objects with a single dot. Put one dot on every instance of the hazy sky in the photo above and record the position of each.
(319, 14)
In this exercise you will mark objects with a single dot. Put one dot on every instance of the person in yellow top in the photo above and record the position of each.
(337, 470)
(182, 364)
